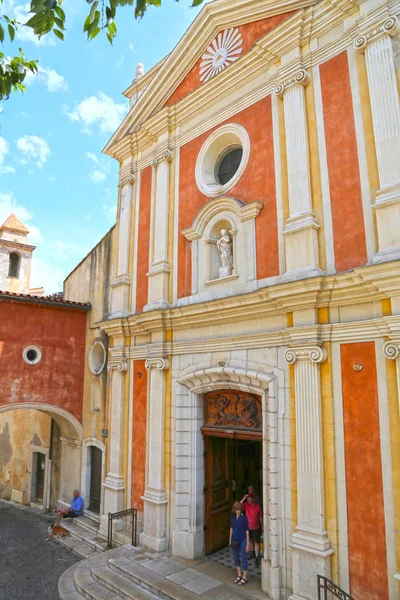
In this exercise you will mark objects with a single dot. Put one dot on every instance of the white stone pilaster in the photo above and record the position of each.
(310, 543)
(114, 484)
(392, 351)
(121, 283)
(385, 106)
(155, 500)
(160, 267)
(301, 229)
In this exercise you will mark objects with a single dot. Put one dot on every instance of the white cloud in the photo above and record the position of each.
(92, 157)
(97, 112)
(97, 176)
(132, 48)
(51, 178)
(119, 62)
(34, 149)
(8, 205)
(45, 275)
(3, 153)
(53, 81)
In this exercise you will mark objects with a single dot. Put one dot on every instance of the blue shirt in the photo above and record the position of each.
(239, 527)
(77, 504)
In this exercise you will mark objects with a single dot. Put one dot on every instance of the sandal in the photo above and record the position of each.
(237, 580)
(243, 581)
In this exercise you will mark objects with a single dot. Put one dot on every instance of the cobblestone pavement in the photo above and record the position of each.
(30, 566)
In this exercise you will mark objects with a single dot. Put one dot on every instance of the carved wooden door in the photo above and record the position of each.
(218, 492)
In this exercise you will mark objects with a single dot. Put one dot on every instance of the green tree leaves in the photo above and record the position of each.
(47, 16)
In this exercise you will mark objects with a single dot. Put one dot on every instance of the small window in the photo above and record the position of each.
(13, 268)
(31, 355)
(228, 163)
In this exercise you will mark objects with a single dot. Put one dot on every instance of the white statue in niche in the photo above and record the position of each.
(224, 245)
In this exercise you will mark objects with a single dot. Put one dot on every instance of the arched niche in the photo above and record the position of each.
(238, 221)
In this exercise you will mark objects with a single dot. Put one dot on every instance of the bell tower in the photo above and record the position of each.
(15, 256)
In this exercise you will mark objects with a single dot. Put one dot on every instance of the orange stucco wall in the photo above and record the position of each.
(250, 33)
(139, 433)
(344, 175)
(256, 183)
(364, 486)
(142, 285)
(60, 334)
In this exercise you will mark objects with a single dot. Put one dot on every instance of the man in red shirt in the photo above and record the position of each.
(253, 513)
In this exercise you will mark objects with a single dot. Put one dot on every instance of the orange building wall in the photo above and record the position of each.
(250, 33)
(257, 183)
(139, 433)
(344, 175)
(60, 334)
(364, 486)
(142, 283)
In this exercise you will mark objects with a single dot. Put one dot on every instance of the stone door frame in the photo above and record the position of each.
(187, 530)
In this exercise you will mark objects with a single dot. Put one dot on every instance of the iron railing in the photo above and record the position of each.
(132, 512)
(326, 586)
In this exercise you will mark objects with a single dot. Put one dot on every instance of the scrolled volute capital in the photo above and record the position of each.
(301, 77)
(117, 365)
(389, 26)
(162, 364)
(130, 179)
(166, 155)
(316, 354)
(392, 349)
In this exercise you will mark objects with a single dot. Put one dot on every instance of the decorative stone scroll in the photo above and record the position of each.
(166, 155)
(117, 365)
(388, 27)
(232, 409)
(162, 364)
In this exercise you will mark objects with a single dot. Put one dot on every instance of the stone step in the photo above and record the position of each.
(89, 537)
(118, 584)
(149, 580)
(66, 585)
(87, 523)
(76, 545)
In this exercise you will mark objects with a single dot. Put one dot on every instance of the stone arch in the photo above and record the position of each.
(71, 443)
(188, 536)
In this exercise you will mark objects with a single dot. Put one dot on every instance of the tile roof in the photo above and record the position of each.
(48, 300)
(14, 224)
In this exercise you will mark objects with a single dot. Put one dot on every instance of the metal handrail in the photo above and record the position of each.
(325, 585)
(120, 515)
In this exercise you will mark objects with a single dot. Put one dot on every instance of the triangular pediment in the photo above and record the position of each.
(211, 37)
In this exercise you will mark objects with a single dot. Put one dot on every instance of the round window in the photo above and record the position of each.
(31, 355)
(228, 163)
(222, 160)
(97, 357)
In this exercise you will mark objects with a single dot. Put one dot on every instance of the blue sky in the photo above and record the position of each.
(53, 175)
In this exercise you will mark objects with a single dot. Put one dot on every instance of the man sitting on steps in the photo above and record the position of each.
(73, 511)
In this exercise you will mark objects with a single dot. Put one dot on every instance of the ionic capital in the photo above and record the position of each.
(387, 27)
(301, 77)
(126, 177)
(162, 364)
(316, 354)
(164, 156)
(117, 365)
(392, 349)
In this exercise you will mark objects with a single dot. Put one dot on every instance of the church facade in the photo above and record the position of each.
(245, 322)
